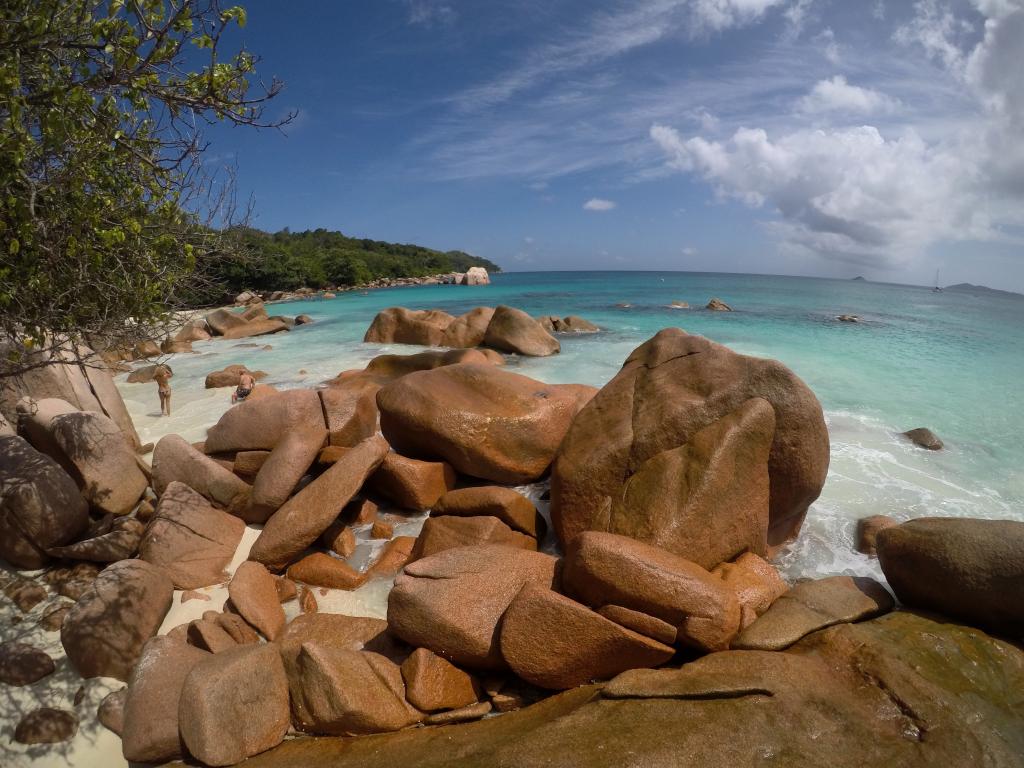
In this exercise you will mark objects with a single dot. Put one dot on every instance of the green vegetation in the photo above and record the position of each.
(101, 106)
(286, 260)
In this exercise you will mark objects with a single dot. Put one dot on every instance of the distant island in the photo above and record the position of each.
(285, 261)
(859, 277)
(969, 288)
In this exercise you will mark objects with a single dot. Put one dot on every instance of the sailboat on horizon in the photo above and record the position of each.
(936, 289)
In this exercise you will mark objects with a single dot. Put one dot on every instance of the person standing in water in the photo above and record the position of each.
(245, 384)
(162, 376)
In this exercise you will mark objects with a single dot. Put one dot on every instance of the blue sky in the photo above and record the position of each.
(813, 137)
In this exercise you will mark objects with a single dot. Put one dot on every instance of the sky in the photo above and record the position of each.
(830, 138)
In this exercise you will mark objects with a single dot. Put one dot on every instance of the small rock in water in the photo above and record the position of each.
(848, 318)
(925, 438)
(717, 305)
(46, 726)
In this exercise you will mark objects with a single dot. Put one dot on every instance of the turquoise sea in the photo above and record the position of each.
(952, 361)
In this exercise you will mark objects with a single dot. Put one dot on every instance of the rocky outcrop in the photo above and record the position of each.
(150, 730)
(256, 328)
(40, 505)
(234, 705)
(893, 692)
(717, 305)
(468, 330)
(260, 424)
(484, 421)
(229, 376)
(814, 605)
(971, 570)
(192, 542)
(397, 325)
(433, 684)
(284, 468)
(682, 404)
(412, 484)
(175, 460)
(308, 513)
(104, 632)
(755, 582)
(441, 533)
(605, 569)
(350, 409)
(452, 602)
(868, 529)
(475, 276)
(512, 508)
(512, 330)
(554, 642)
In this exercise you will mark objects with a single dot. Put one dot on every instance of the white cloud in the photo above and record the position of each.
(837, 95)
(723, 14)
(829, 47)
(430, 13)
(689, 251)
(598, 204)
(936, 29)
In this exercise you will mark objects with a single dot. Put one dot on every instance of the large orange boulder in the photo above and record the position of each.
(971, 570)
(321, 570)
(284, 468)
(652, 421)
(468, 330)
(346, 692)
(606, 569)
(391, 367)
(433, 683)
(150, 731)
(412, 484)
(512, 330)
(308, 513)
(452, 602)
(175, 460)
(484, 421)
(554, 642)
(441, 533)
(40, 505)
(350, 409)
(230, 376)
(253, 592)
(220, 321)
(512, 508)
(256, 328)
(105, 630)
(397, 325)
(190, 540)
(234, 705)
(756, 583)
(261, 423)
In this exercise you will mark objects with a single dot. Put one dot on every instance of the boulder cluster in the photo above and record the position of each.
(504, 329)
(647, 595)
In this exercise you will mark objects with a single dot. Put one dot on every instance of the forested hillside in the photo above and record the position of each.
(287, 260)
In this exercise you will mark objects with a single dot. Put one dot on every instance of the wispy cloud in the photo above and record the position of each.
(430, 13)
(599, 204)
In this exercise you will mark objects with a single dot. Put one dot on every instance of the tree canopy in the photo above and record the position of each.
(106, 215)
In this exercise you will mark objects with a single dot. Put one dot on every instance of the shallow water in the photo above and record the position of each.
(951, 361)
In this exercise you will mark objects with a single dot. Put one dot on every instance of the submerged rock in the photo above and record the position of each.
(925, 438)
(717, 305)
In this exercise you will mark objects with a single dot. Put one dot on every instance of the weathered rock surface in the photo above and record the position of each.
(441, 533)
(433, 683)
(176, 460)
(925, 438)
(972, 570)
(23, 664)
(322, 570)
(46, 726)
(110, 712)
(234, 705)
(412, 484)
(512, 330)
(468, 330)
(256, 328)
(222, 320)
(814, 605)
(192, 542)
(347, 692)
(512, 508)
(756, 583)
(284, 468)
(308, 513)
(150, 725)
(452, 602)
(892, 692)
(484, 421)
(261, 423)
(554, 642)
(670, 389)
(650, 626)
(397, 325)
(350, 407)
(868, 529)
(606, 569)
(104, 632)
(40, 505)
(230, 376)
(253, 592)
(475, 276)
(117, 538)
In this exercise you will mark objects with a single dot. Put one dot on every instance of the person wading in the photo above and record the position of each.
(245, 384)
(162, 376)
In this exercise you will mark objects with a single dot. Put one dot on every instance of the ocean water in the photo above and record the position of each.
(951, 361)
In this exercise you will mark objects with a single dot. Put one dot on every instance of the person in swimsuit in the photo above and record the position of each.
(162, 376)
(245, 384)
